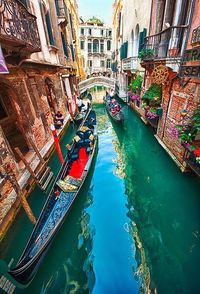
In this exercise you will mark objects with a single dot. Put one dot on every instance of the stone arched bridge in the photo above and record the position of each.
(96, 81)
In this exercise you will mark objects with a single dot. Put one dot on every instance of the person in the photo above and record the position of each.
(59, 117)
(87, 104)
(112, 93)
(79, 103)
(57, 193)
(57, 123)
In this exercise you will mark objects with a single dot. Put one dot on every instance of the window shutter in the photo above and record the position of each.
(125, 49)
(72, 51)
(141, 39)
(64, 45)
(49, 29)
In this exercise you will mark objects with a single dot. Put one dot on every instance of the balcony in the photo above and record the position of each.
(18, 28)
(130, 63)
(167, 45)
(190, 159)
(62, 12)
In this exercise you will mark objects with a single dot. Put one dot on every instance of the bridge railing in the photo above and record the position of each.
(96, 81)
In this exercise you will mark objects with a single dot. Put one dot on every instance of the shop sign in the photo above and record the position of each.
(192, 55)
(196, 35)
(190, 71)
(3, 67)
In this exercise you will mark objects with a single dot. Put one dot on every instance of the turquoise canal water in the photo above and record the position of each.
(135, 225)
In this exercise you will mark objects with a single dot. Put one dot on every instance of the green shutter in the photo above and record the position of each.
(141, 40)
(125, 49)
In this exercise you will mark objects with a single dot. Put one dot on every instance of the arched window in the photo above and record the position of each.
(108, 45)
(130, 44)
(95, 46)
(136, 41)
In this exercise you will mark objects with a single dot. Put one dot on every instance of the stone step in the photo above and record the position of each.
(44, 175)
(6, 285)
(48, 180)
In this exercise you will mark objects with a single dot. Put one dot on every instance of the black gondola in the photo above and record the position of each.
(80, 116)
(114, 109)
(61, 197)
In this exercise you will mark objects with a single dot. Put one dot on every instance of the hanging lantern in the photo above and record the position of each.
(184, 112)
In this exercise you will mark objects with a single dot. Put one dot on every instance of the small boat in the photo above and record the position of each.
(114, 109)
(60, 199)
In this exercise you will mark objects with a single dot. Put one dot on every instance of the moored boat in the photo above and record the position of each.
(114, 109)
(60, 199)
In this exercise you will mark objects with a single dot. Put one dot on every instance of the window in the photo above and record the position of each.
(89, 63)
(64, 43)
(110, 33)
(108, 45)
(82, 45)
(89, 47)
(90, 32)
(102, 47)
(102, 63)
(47, 24)
(108, 63)
(95, 46)
(101, 32)
(82, 31)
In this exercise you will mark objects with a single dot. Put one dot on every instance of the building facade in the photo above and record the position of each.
(42, 78)
(130, 27)
(170, 100)
(96, 47)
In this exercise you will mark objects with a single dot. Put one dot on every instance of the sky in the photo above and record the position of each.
(99, 8)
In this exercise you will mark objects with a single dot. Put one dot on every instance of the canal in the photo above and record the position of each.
(135, 225)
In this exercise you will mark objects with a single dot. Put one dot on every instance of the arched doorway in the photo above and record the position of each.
(51, 97)
(13, 121)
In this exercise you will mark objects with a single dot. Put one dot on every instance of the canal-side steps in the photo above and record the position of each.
(37, 168)
(44, 176)
(6, 285)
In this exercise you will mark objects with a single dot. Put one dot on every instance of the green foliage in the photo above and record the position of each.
(137, 84)
(153, 95)
(196, 119)
(146, 53)
(187, 133)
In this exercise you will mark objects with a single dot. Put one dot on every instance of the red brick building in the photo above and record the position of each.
(41, 62)
(171, 58)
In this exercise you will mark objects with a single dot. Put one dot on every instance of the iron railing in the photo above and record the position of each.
(167, 44)
(17, 26)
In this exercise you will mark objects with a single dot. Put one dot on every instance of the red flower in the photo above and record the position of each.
(197, 152)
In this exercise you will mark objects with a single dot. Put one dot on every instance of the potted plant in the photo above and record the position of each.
(146, 54)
